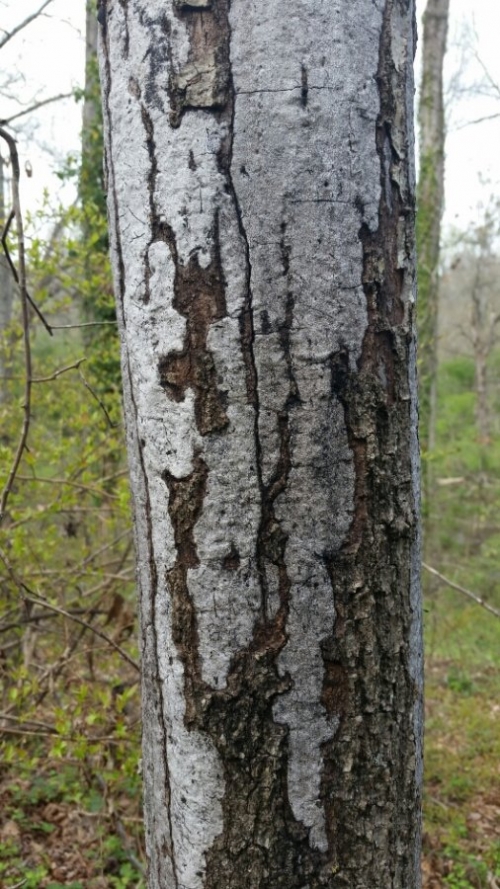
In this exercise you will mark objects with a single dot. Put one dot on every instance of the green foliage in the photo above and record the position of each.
(462, 784)
(69, 725)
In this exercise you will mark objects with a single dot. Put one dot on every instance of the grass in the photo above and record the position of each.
(462, 750)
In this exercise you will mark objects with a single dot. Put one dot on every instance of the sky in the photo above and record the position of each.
(49, 54)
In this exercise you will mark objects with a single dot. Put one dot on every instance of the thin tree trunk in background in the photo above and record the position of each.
(6, 290)
(430, 203)
(91, 109)
(483, 339)
(261, 200)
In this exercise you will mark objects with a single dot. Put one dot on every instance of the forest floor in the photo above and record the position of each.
(62, 826)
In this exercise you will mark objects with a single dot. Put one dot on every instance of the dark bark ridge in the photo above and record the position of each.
(369, 776)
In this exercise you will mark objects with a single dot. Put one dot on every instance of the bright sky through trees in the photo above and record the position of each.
(48, 58)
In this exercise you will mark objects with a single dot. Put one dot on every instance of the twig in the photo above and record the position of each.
(44, 604)
(18, 885)
(30, 596)
(99, 402)
(471, 123)
(35, 107)
(16, 276)
(85, 324)
(54, 734)
(25, 317)
(64, 481)
(25, 722)
(8, 36)
(36, 618)
(461, 589)
(106, 546)
(58, 373)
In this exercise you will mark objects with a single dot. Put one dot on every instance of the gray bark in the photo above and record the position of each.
(90, 110)
(261, 200)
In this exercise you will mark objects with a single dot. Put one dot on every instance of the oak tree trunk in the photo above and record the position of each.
(261, 201)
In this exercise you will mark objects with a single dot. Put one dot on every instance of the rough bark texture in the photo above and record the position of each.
(430, 198)
(261, 198)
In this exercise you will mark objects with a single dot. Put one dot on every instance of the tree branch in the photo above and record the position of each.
(30, 596)
(57, 373)
(83, 623)
(461, 589)
(35, 107)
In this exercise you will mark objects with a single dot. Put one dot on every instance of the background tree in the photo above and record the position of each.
(261, 201)
(98, 301)
(6, 284)
(430, 202)
(471, 298)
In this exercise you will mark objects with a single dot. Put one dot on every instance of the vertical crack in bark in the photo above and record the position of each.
(367, 675)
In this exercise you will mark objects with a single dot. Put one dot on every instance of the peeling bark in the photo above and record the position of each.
(262, 208)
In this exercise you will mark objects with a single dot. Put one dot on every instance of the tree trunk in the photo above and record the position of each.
(482, 333)
(6, 291)
(261, 198)
(91, 110)
(430, 200)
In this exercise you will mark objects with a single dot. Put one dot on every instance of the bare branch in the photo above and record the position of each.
(461, 589)
(470, 123)
(14, 270)
(55, 734)
(14, 157)
(42, 603)
(85, 324)
(24, 24)
(35, 107)
(30, 596)
(19, 885)
(57, 373)
(92, 489)
(99, 402)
